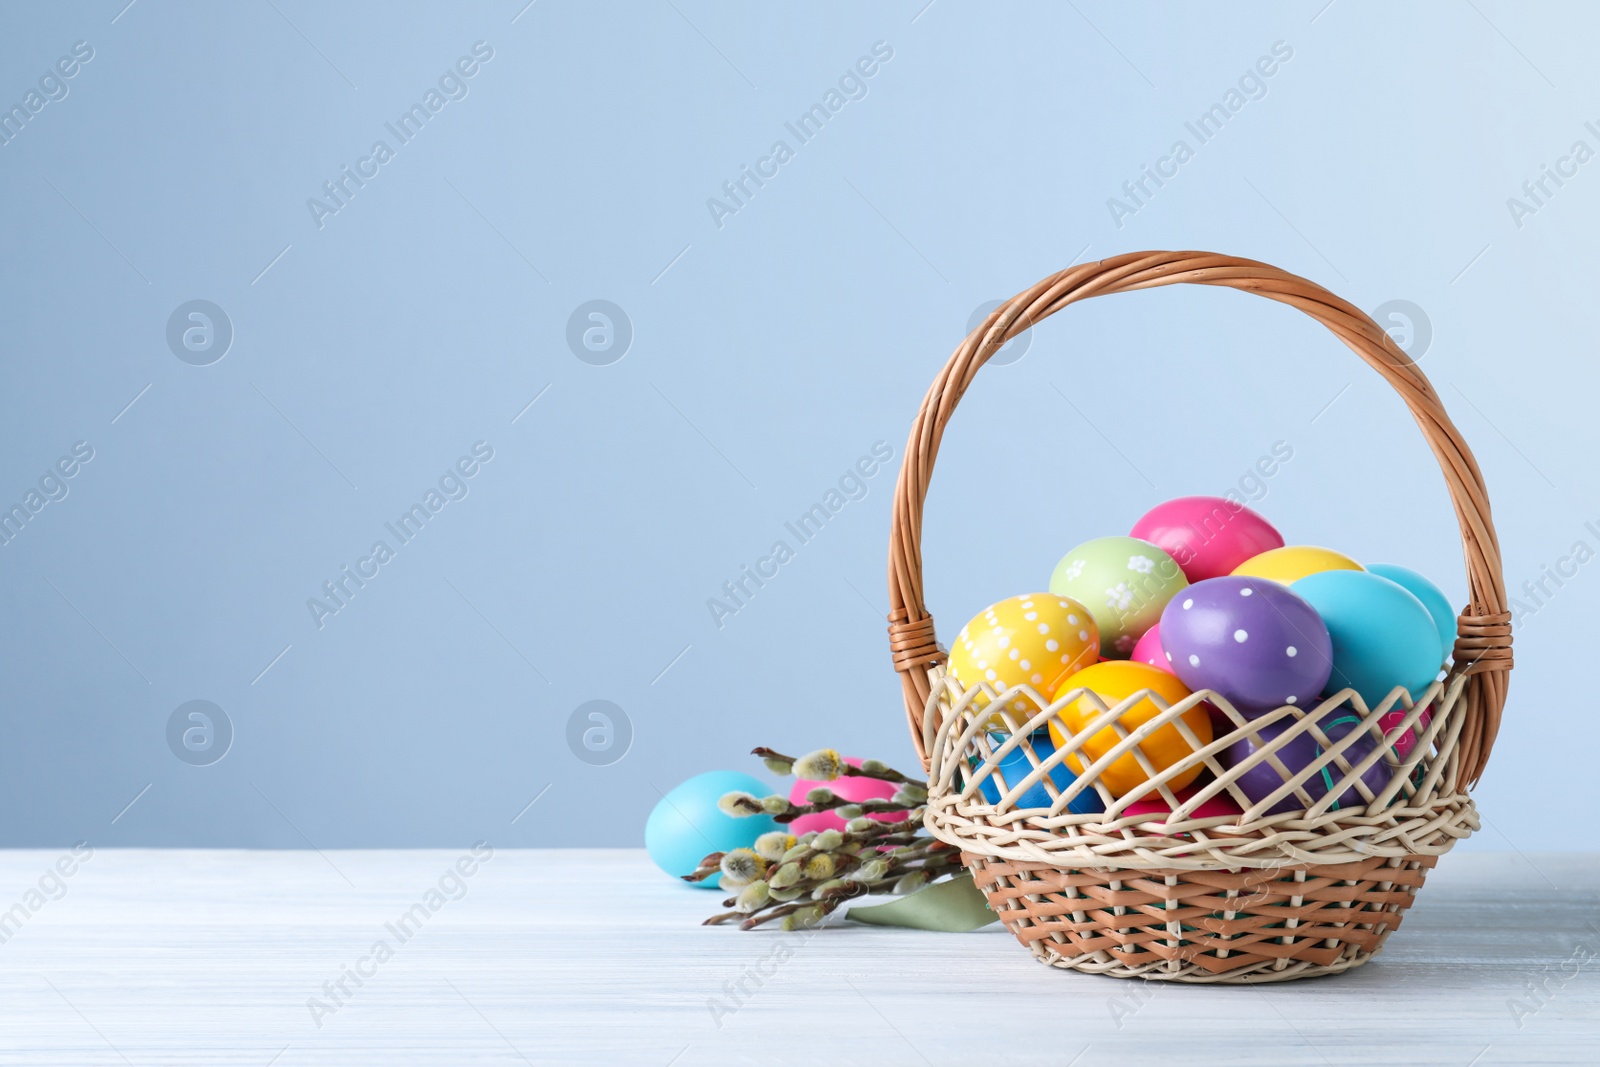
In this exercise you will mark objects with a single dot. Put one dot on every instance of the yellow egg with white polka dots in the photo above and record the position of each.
(1037, 640)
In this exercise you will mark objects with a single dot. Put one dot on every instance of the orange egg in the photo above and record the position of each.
(1036, 639)
(1114, 681)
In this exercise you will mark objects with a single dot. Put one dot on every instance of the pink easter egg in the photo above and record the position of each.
(1405, 741)
(1208, 535)
(1149, 650)
(850, 788)
(1220, 805)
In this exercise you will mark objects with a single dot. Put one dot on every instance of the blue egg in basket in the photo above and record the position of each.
(1016, 766)
(1383, 635)
(1432, 597)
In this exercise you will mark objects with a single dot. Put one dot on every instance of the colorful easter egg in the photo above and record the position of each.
(1382, 634)
(1289, 564)
(1124, 582)
(1158, 810)
(1036, 639)
(848, 786)
(1016, 766)
(1114, 682)
(1251, 640)
(1432, 597)
(1263, 779)
(687, 825)
(1219, 806)
(1403, 744)
(1148, 649)
(1208, 536)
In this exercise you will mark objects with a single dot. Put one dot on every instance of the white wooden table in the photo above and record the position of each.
(592, 957)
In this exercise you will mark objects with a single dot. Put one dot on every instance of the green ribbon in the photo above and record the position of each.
(953, 906)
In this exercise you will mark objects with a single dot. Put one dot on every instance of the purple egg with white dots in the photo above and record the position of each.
(1250, 639)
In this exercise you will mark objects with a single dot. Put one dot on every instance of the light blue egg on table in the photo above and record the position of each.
(1016, 766)
(1382, 634)
(686, 825)
(1438, 605)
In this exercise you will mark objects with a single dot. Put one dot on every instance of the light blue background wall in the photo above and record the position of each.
(768, 355)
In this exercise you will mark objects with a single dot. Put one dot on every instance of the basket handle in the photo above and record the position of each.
(1483, 644)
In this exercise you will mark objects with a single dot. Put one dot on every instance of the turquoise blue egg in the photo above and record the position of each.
(1438, 605)
(1016, 766)
(686, 825)
(1382, 634)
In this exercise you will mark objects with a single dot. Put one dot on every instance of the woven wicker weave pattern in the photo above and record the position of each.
(1422, 810)
(1254, 897)
(1257, 925)
(1200, 899)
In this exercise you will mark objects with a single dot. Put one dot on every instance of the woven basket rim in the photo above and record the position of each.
(1421, 811)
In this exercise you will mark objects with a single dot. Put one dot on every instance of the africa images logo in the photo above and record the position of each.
(453, 485)
(451, 86)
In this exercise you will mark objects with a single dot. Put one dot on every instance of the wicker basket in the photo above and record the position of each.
(1251, 898)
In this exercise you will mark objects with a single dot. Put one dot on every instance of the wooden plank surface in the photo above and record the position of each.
(592, 957)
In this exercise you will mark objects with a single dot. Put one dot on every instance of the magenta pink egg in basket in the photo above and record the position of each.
(1208, 535)
(1149, 650)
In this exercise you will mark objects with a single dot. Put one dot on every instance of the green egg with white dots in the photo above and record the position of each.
(1125, 583)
